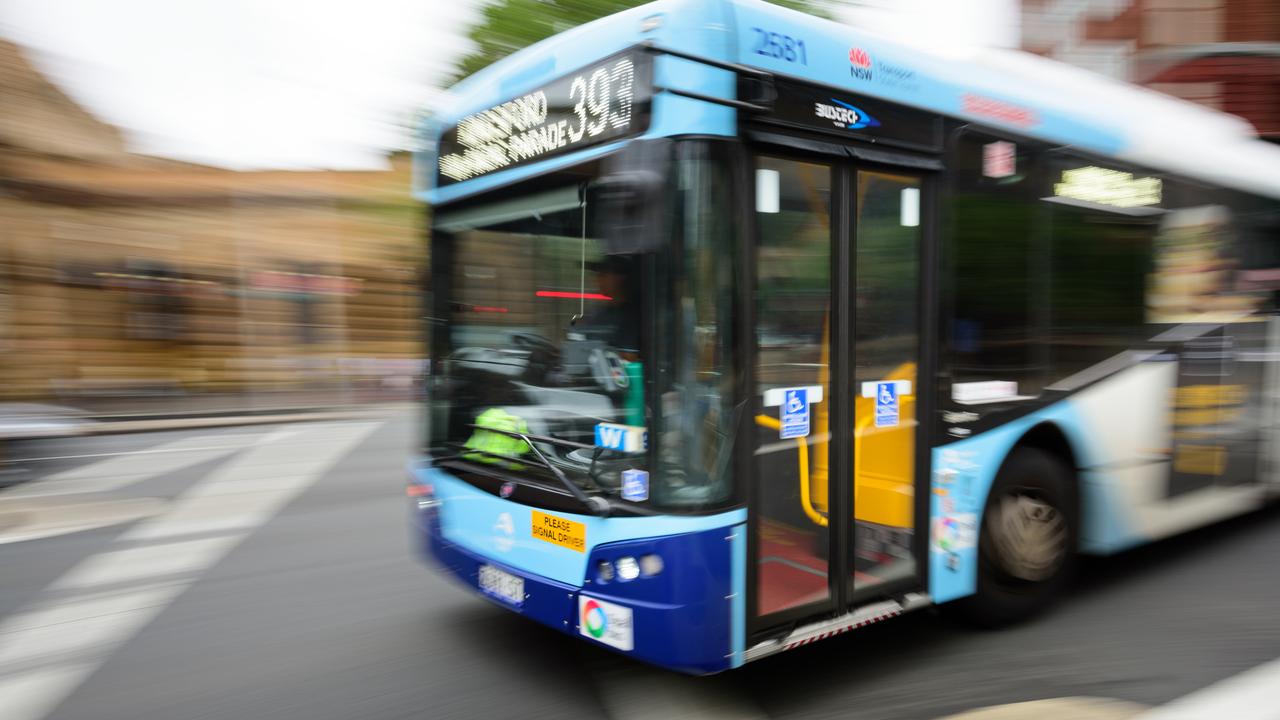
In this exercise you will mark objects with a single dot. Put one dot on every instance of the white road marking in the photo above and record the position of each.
(1252, 695)
(145, 563)
(36, 693)
(35, 518)
(123, 470)
(49, 648)
(218, 512)
(118, 453)
(77, 629)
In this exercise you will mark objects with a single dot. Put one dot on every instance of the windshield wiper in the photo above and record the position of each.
(596, 504)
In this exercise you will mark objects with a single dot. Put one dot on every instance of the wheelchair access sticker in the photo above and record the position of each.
(795, 414)
(886, 404)
(795, 403)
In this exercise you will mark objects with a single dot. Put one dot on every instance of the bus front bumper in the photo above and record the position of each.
(680, 621)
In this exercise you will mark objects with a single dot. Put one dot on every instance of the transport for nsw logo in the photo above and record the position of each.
(859, 64)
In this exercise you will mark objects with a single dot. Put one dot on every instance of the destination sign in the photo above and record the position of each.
(601, 103)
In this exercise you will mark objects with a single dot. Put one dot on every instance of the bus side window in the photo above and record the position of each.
(1100, 261)
(998, 322)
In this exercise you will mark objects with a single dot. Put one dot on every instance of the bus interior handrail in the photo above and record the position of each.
(802, 446)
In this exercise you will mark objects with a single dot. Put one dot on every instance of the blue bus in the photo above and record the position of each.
(749, 329)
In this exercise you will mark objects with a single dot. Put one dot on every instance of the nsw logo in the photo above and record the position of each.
(860, 64)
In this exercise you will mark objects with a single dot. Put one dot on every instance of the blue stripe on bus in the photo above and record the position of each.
(738, 605)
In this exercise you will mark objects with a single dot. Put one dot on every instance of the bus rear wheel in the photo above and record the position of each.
(1028, 540)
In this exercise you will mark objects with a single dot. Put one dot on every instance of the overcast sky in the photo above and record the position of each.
(310, 83)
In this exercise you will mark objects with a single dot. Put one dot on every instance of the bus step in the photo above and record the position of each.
(860, 617)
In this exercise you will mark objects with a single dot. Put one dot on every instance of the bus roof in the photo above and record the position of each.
(1021, 93)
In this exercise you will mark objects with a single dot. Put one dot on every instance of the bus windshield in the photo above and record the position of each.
(542, 339)
(564, 352)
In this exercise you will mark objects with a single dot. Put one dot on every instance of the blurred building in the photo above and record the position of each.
(125, 275)
(1221, 53)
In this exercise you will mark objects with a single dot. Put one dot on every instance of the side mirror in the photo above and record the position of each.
(629, 197)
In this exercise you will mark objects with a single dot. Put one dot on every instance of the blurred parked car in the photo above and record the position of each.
(25, 421)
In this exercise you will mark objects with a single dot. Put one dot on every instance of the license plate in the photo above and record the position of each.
(501, 584)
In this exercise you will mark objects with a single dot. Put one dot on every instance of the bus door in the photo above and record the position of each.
(836, 288)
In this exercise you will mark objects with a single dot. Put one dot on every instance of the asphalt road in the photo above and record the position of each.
(266, 572)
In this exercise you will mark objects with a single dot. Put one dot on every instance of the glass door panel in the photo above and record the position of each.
(793, 292)
(886, 321)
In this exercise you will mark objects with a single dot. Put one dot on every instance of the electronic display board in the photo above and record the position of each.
(603, 102)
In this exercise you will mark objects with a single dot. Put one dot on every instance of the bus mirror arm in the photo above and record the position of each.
(630, 197)
(596, 504)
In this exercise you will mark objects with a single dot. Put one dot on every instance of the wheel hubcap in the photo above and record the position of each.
(1029, 536)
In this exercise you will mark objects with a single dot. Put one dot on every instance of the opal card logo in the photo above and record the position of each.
(844, 115)
(594, 619)
(606, 622)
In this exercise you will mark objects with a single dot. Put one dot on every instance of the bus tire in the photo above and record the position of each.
(1028, 539)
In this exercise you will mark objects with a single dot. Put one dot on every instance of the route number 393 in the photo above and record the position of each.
(602, 100)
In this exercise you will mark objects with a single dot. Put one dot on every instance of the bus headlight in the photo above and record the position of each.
(604, 571)
(628, 568)
(650, 565)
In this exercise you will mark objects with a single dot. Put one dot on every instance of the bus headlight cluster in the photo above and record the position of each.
(628, 568)
(650, 565)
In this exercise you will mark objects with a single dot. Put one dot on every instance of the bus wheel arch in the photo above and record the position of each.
(1028, 537)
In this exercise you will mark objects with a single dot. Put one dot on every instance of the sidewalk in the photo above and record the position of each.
(99, 415)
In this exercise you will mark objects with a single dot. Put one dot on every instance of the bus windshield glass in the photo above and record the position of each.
(540, 343)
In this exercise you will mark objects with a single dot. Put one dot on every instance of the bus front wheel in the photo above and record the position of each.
(1028, 540)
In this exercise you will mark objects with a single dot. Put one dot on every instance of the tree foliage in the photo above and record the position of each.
(506, 26)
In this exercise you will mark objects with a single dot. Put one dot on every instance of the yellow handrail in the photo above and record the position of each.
(802, 446)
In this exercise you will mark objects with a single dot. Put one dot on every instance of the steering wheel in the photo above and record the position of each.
(609, 371)
(534, 343)
(543, 355)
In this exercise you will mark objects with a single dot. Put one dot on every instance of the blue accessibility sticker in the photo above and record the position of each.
(886, 404)
(795, 414)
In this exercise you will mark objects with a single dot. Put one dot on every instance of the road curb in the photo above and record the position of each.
(115, 427)
(153, 424)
